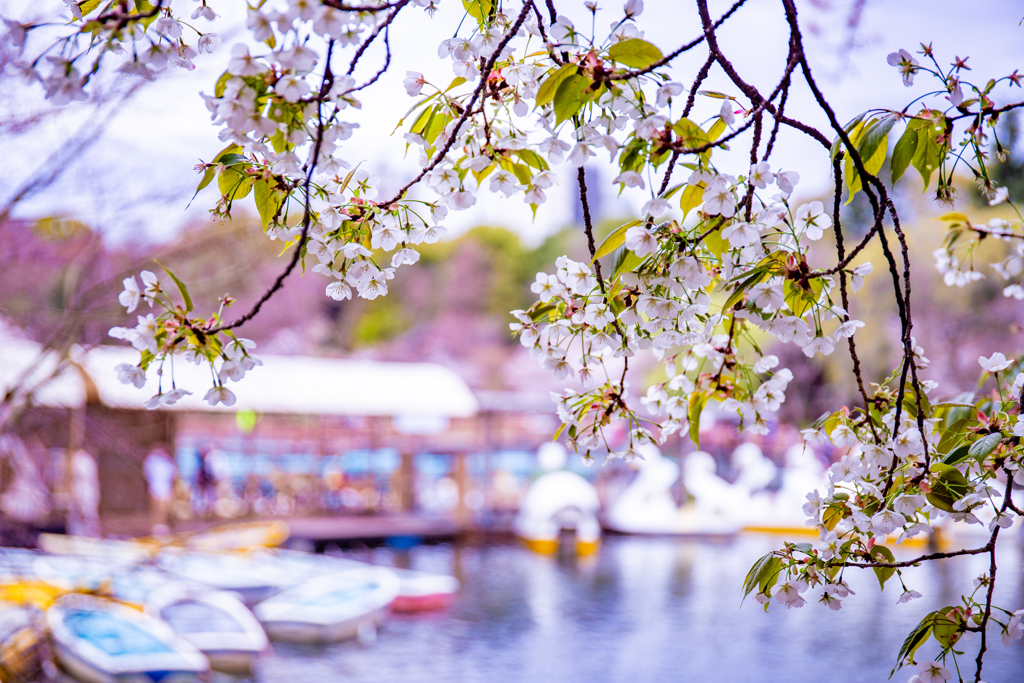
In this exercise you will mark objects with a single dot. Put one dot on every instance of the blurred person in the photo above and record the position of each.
(160, 472)
(84, 511)
(25, 499)
(206, 484)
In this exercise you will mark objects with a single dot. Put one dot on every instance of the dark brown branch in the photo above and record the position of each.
(701, 76)
(918, 560)
(382, 70)
(337, 4)
(626, 75)
(484, 73)
(837, 168)
(748, 90)
(373, 36)
(307, 213)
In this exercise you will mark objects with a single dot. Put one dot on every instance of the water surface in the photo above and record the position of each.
(643, 611)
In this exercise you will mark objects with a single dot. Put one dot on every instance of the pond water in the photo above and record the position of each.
(643, 610)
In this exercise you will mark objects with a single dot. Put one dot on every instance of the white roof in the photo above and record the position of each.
(24, 367)
(284, 384)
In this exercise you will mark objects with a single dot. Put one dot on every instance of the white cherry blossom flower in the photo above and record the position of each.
(932, 672)
(130, 374)
(907, 66)
(998, 196)
(727, 114)
(761, 175)
(787, 180)
(668, 91)
(741, 234)
(339, 290)
(996, 363)
(242, 63)
(788, 593)
(812, 220)
(629, 179)
(220, 394)
(405, 256)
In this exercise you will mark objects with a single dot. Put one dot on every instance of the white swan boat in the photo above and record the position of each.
(215, 622)
(101, 641)
(331, 607)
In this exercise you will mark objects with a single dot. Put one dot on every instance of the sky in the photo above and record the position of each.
(135, 182)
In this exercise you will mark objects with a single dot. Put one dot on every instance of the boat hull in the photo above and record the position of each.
(314, 633)
(332, 607)
(101, 641)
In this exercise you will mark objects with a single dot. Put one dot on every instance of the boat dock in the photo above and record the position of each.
(319, 533)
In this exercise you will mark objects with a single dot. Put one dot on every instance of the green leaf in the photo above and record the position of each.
(690, 134)
(985, 445)
(832, 515)
(532, 158)
(903, 153)
(435, 125)
(944, 629)
(872, 164)
(915, 639)
(456, 82)
(569, 97)
(546, 92)
(268, 200)
(521, 172)
(221, 85)
(929, 154)
(422, 120)
(479, 9)
(758, 274)
(692, 197)
(716, 130)
(88, 6)
(957, 456)
(849, 128)
(634, 155)
(181, 286)
(874, 137)
(542, 312)
(614, 240)
(210, 172)
(763, 575)
(635, 53)
(624, 261)
(799, 298)
(948, 487)
(234, 184)
(697, 402)
(882, 554)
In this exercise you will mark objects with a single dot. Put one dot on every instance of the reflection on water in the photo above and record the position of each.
(644, 610)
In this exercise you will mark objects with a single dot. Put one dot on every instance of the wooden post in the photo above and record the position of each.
(462, 517)
(407, 482)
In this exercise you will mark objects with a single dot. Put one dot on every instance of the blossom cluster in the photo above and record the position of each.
(661, 296)
(159, 335)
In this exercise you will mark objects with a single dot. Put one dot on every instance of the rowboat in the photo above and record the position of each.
(243, 536)
(331, 607)
(417, 591)
(423, 591)
(97, 640)
(215, 622)
(20, 630)
(252, 581)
